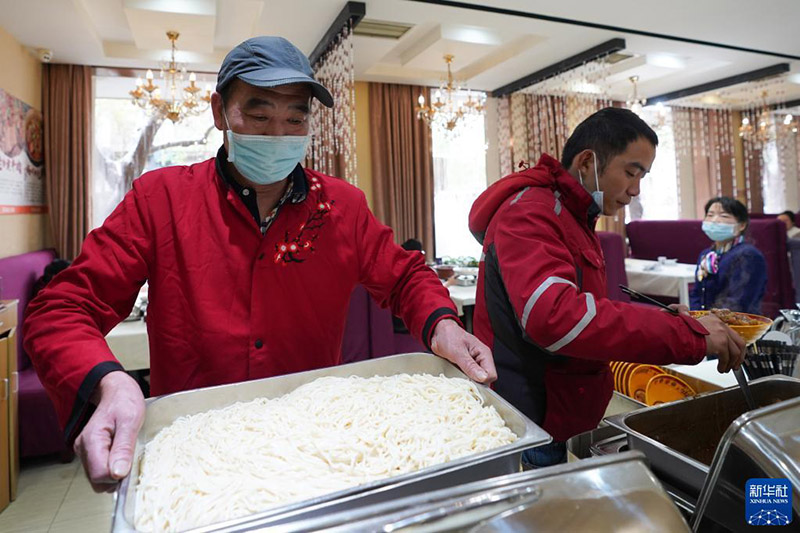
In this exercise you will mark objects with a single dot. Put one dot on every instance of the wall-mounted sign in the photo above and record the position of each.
(21, 157)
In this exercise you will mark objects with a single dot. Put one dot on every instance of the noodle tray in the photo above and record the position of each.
(506, 459)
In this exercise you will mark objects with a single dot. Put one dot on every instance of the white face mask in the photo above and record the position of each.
(597, 195)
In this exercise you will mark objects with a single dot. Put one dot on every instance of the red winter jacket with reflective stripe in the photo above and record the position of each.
(226, 303)
(542, 303)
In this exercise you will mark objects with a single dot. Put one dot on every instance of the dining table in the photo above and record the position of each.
(660, 278)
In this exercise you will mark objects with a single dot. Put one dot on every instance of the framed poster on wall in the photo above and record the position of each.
(21, 157)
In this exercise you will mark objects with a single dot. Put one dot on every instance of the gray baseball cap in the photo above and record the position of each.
(270, 62)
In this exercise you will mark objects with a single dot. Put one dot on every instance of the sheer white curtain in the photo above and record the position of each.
(459, 176)
(659, 197)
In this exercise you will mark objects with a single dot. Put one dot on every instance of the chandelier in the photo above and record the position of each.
(634, 103)
(179, 104)
(447, 108)
(655, 116)
(789, 123)
(760, 132)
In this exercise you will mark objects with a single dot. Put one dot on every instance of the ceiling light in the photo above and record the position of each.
(380, 28)
(666, 61)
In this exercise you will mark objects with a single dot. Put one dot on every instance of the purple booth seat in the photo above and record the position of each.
(770, 215)
(794, 254)
(684, 240)
(614, 254)
(369, 332)
(39, 432)
(383, 340)
(355, 344)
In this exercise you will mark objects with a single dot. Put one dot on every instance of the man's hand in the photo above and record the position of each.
(723, 342)
(474, 358)
(106, 444)
(680, 308)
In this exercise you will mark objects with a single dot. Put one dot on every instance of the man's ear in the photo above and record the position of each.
(218, 110)
(585, 160)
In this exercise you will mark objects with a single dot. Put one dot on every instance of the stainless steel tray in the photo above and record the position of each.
(608, 494)
(162, 411)
(676, 436)
(764, 443)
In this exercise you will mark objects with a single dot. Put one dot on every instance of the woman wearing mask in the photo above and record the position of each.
(732, 273)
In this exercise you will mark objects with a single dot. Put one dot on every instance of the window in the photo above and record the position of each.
(459, 176)
(773, 183)
(128, 142)
(777, 156)
(658, 195)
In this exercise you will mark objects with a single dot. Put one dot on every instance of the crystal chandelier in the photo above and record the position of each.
(446, 111)
(634, 103)
(789, 124)
(655, 116)
(760, 132)
(179, 104)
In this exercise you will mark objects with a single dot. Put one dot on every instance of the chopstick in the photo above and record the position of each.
(642, 297)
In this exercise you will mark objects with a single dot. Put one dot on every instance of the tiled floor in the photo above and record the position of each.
(57, 497)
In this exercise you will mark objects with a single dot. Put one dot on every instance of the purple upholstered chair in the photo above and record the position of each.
(355, 344)
(39, 432)
(383, 340)
(794, 254)
(369, 332)
(614, 254)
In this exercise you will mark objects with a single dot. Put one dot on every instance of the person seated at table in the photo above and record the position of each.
(50, 271)
(792, 231)
(731, 273)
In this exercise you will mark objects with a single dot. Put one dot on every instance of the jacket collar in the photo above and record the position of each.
(574, 196)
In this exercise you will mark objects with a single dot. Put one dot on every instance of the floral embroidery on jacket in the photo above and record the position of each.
(296, 249)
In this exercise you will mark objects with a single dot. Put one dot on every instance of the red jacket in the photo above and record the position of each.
(226, 304)
(542, 303)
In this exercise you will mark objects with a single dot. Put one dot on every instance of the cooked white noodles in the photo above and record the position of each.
(325, 436)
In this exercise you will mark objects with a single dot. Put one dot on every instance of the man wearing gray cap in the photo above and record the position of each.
(250, 259)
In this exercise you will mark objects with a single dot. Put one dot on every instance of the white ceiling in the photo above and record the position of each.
(490, 49)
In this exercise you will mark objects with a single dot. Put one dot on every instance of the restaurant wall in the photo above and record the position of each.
(363, 144)
(22, 78)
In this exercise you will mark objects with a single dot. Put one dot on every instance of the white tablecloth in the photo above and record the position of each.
(649, 277)
(128, 340)
(706, 371)
(462, 296)
(128, 343)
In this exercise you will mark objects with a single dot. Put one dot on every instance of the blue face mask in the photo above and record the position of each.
(265, 159)
(597, 195)
(719, 232)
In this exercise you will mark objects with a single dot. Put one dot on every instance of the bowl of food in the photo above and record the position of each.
(749, 327)
(445, 272)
